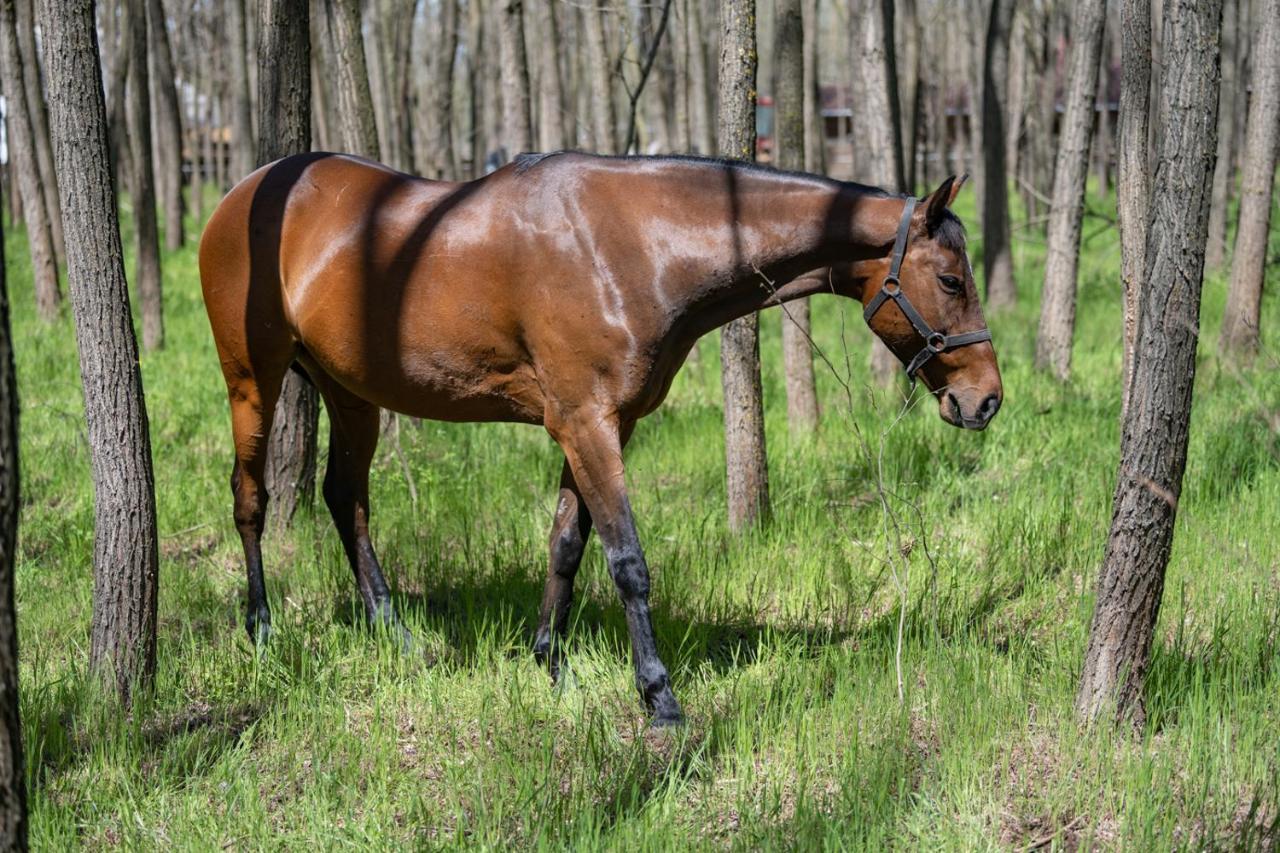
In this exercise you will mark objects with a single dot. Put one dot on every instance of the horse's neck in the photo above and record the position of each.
(778, 230)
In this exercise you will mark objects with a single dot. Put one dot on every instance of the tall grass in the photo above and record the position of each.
(782, 642)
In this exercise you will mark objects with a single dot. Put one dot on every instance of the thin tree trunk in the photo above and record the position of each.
(168, 126)
(700, 85)
(997, 252)
(603, 121)
(13, 787)
(284, 98)
(517, 122)
(815, 159)
(356, 122)
(33, 78)
(1215, 253)
(22, 160)
(243, 158)
(196, 124)
(1133, 192)
(440, 158)
(551, 113)
(1017, 94)
(142, 187)
(746, 462)
(789, 148)
(1058, 303)
(910, 93)
(122, 648)
(476, 70)
(1249, 260)
(1153, 447)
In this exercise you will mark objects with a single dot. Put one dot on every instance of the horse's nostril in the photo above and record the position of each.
(989, 407)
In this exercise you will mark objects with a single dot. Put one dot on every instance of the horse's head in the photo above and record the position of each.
(924, 306)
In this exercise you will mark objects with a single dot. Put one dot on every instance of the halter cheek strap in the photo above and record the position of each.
(934, 342)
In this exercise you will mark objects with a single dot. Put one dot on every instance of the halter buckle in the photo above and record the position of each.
(891, 285)
(937, 342)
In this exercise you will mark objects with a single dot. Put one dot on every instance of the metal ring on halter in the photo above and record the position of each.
(891, 288)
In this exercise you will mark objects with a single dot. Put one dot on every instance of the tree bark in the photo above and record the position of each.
(551, 112)
(22, 148)
(517, 121)
(603, 114)
(700, 84)
(1058, 303)
(1133, 169)
(1215, 253)
(789, 149)
(476, 72)
(122, 648)
(746, 463)
(439, 158)
(815, 159)
(909, 93)
(243, 158)
(142, 179)
(37, 104)
(284, 98)
(1153, 447)
(1248, 263)
(997, 252)
(13, 788)
(356, 124)
(168, 126)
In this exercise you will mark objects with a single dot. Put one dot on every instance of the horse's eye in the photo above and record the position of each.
(951, 284)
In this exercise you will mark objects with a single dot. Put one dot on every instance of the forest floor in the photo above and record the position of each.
(783, 643)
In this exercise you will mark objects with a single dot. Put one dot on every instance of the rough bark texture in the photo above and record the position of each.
(476, 70)
(700, 85)
(39, 112)
(122, 648)
(22, 160)
(747, 470)
(439, 156)
(142, 187)
(1153, 446)
(284, 98)
(13, 790)
(517, 120)
(1133, 168)
(356, 125)
(551, 113)
(1215, 251)
(603, 113)
(1062, 253)
(997, 252)
(243, 159)
(789, 150)
(909, 91)
(1248, 263)
(814, 130)
(167, 126)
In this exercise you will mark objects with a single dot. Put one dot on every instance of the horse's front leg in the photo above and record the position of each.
(592, 442)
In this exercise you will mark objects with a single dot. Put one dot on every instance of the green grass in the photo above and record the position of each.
(781, 643)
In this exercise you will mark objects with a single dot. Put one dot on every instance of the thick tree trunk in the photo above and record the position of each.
(243, 158)
(22, 160)
(551, 112)
(142, 187)
(1153, 447)
(1249, 260)
(37, 103)
(13, 783)
(1058, 302)
(356, 124)
(167, 127)
(1133, 169)
(746, 463)
(1215, 252)
(997, 252)
(517, 121)
(789, 149)
(122, 648)
(439, 158)
(603, 114)
(284, 98)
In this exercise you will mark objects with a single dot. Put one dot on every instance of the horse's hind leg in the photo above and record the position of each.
(569, 534)
(353, 437)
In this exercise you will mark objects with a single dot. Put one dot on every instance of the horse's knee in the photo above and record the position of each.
(630, 574)
(250, 502)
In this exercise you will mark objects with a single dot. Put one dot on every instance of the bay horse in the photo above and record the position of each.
(563, 290)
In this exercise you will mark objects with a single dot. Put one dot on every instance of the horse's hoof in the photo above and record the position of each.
(258, 626)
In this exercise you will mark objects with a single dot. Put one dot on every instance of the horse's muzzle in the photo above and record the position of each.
(954, 411)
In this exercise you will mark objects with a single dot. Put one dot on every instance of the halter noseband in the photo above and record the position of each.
(934, 342)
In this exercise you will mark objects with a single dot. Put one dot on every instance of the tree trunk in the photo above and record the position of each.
(700, 85)
(284, 98)
(168, 126)
(997, 253)
(910, 93)
(37, 104)
(746, 463)
(603, 116)
(1248, 263)
(23, 161)
(551, 112)
(476, 71)
(1017, 93)
(122, 648)
(196, 124)
(815, 159)
(440, 160)
(789, 150)
(1153, 447)
(517, 122)
(1215, 252)
(13, 788)
(1133, 169)
(243, 158)
(356, 124)
(1058, 303)
(142, 180)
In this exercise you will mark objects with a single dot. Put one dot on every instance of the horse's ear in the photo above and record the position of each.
(941, 198)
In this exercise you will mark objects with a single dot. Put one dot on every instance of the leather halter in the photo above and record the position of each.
(934, 342)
